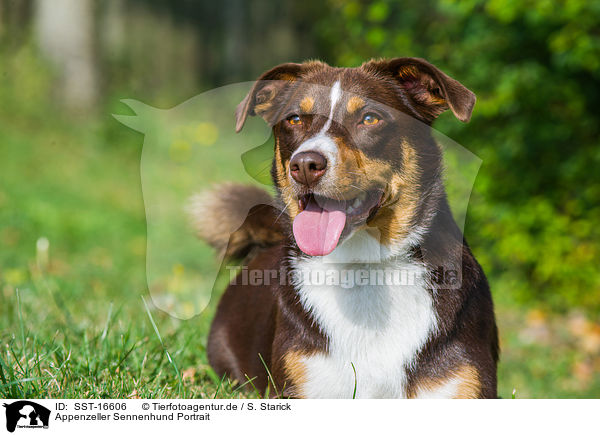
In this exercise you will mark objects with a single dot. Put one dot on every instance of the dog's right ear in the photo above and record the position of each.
(260, 98)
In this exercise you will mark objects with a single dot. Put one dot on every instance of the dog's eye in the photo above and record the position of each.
(370, 119)
(294, 120)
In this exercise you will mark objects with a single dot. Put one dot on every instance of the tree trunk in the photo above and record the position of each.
(65, 32)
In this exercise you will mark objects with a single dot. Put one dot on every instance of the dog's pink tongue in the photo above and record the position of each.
(317, 230)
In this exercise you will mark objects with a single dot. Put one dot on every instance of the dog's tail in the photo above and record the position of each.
(236, 219)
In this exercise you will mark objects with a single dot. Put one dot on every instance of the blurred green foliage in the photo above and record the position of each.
(534, 65)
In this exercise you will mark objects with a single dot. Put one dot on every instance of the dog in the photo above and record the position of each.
(359, 192)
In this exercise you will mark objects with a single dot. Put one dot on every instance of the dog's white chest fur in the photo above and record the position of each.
(377, 328)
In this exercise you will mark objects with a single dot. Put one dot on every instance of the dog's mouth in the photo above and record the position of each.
(323, 221)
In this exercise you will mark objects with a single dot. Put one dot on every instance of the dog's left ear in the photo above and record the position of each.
(262, 95)
(430, 89)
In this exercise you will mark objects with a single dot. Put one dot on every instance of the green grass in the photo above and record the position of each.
(76, 325)
(124, 358)
(81, 323)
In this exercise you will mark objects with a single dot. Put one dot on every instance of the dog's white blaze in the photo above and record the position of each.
(334, 97)
(321, 142)
(379, 329)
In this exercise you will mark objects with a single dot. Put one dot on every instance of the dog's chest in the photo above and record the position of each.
(378, 326)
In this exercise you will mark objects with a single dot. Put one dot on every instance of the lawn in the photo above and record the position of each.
(76, 317)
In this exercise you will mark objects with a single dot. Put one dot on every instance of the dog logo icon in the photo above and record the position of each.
(26, 414)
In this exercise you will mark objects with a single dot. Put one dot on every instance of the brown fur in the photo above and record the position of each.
(295, 372)
(469, 385)
(395, 223)
(400, 158)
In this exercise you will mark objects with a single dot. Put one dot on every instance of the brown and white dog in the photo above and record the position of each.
(359, 192)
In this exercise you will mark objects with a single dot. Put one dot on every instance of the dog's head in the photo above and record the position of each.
(353, 147)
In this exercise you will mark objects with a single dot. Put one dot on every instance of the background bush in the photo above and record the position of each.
(534, 66)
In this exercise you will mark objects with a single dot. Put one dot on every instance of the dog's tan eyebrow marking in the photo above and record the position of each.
(307, 104)
(354, 104)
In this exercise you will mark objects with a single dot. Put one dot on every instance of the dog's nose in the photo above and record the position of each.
(307, 167)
